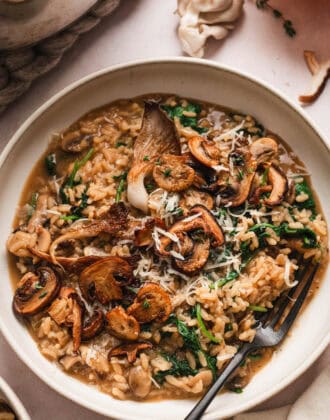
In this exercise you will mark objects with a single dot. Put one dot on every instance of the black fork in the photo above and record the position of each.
(266, 336)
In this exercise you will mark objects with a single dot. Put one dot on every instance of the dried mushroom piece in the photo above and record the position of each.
(152, 303)
(104, 279)
(320, 74)
(35, 291)
(130, 350)
(156, 138)
(122, 325)
(172, 173)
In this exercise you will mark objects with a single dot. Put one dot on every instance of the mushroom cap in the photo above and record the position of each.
(93, 326)
(122, 325)
(35, 291)
(204, 151)
(172, 174)
(103, 279)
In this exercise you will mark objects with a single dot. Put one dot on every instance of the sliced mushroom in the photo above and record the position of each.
(264, 150)
(255, 197)
(122, 325)
(156, 138)
(93, 325)
(151, 303)
(172, 174)
(130, 350)
(279, 185)
(39, 215)
(75, 141)
(67, 310)
(196, 260)
(35, 291)
(143, 235)
(192, 196)
(103, 279)
(139, 381)
(204, 151)
(212, 227)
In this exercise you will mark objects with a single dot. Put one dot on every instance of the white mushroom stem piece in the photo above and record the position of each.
(200, 19)
(320, 73)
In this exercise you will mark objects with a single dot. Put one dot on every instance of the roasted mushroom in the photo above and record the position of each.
(122, 325)
(156, 138)
(197, 258)
(130, 350)
(103, 280)
(139, 381)
(93, 325)
(264, 150)
(151, 303)
(279, 185)
(192, 196)
(204, 151)
(172, 174)
(35, 291)
(75, 141)
(67, 310)
(20, 242)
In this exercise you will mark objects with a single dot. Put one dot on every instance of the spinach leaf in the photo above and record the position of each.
(177, 111)
(180, 367)
(76, 211)
(50, 163)
(202, 325)
(302, 187)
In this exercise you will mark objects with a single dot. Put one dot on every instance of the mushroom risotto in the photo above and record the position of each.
(149, 238)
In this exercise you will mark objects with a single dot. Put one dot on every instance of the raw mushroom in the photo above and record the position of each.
(200, 19)
(122, 325)
(172, 174)
(204, 151)
(130, 350)
(67, 310)
(279, 185)
(35, 291)
(152, 303)
(75, 142)
(156, 138)
(104, 279)
(320, 73)
(139, 381)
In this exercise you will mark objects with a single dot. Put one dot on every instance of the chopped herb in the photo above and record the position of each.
(150, 187)
(264, 177)
(237, 159)
(119, 143)
(240, 175)
(167, 172)
(121, 186)
(145, 158)
(50, 163)
(146, 304)
(202, 326)
(232, 275)
(179, 211)
(158, 162)
(132, 289)
(257, 308)
(78, 165)
(38, 286)
(43, 295)
(237, 390)
(180, 367)
(228, 327)
(177, 111)
(76, 211)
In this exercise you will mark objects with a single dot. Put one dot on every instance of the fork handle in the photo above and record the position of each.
(197, 412)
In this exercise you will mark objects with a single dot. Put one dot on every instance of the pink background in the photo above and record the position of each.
(147, 28)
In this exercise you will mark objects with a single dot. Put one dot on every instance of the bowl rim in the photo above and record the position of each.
(112, 69)
(13, 400)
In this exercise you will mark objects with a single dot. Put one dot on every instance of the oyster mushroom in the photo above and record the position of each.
(172, 174)
(279, 186)
(139, 381)
(75, 141)
(130, 350)
(35, 291)
(204, 151)
(122, 325)
(104, 279)
(152, 303)
(157, 137)
(67, 310)
(93, 325)
(320, 73)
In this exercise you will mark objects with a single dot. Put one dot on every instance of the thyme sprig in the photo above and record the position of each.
(286, 23)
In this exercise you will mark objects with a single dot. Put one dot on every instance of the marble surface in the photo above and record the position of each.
(147, 28)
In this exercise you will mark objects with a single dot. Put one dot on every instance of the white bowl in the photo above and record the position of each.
(202, 80)
(9, 396)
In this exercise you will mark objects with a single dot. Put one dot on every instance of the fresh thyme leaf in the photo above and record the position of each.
(43, 295)
(146, 304)
(146, 158)
(287, 24)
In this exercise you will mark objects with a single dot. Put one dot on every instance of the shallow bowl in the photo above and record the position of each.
(197, 79)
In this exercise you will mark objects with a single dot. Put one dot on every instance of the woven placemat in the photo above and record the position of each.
(19, 68)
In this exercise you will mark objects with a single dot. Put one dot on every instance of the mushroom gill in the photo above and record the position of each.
(157, 137)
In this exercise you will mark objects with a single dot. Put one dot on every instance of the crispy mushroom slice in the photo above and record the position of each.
(320, 74)
(205, 151)
(255, 198)
(192, 196)
(264, 150)
(75, 141)
(103, 279)
(197, 258)
(151, 303)
(67, 310)
(157, 137)
(212, 227)
(130, 350)
(93, 325)
(122, 325)
(172, 174)
(35, 291)
(279, 185)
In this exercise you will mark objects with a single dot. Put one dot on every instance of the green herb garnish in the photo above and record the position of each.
(119, 143)
(167, 172)
(302, 187)
(121, 186)
(146, 304)
(264, 177)
(78, 165)
(180, 367)
(287, 24)
(42, 295)
(202, 326)
(256, 308)
(146, 158)
(177, 111)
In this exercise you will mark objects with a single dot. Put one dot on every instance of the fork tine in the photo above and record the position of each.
(287, 299)
(298, 303)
